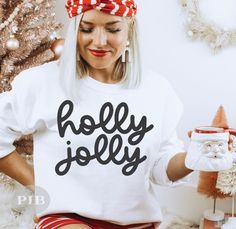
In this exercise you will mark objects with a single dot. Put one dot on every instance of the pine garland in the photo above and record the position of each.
(198, 28)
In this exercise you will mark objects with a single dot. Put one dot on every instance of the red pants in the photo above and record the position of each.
(58, 220)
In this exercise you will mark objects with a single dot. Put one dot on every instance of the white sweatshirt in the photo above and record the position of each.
(102, 156)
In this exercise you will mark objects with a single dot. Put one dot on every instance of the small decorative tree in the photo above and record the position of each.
(226, 183)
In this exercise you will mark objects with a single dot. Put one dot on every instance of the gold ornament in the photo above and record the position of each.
(12, 43)
(57, 47)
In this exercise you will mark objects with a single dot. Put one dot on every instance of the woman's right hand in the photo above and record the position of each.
(36, 219)
(23, 172)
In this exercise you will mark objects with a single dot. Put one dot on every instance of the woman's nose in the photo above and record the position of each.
(100, 38)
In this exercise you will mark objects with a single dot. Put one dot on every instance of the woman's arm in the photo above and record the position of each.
(176, 168)
(17, 168)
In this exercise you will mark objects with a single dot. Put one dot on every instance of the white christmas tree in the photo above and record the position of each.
(226, 183)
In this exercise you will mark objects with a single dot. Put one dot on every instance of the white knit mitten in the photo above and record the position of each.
(209, 152)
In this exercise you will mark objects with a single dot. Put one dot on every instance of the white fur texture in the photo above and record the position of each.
(171, 221)
(230, 224)
(12, 215)
(21, 217)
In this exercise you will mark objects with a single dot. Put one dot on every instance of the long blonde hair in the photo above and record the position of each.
(129, 73)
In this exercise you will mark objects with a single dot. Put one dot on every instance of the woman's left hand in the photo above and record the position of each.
(232, 146)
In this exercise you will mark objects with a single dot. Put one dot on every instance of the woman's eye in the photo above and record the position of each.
(113, 30)
(86, 30)
(89, 30)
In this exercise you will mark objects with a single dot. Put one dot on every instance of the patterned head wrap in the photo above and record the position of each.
(124, 8)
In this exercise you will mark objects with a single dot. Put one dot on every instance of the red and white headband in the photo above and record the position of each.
(123, 8)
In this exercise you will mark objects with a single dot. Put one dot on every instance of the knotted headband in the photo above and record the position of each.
(124, 8)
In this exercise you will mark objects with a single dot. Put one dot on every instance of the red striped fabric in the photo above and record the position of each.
(124, 8)
(58, 220)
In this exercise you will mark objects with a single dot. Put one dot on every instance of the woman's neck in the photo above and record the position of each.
(102, 75)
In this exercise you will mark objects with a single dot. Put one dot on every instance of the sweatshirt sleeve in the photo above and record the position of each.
(10, 129)
(15, 110)
(170, 144)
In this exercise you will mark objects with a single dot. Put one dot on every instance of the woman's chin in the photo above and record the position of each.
(101, 66)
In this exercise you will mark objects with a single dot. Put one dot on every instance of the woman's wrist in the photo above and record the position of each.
(23, 172)
(176, 168)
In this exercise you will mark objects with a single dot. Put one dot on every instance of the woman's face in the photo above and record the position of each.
(102, 39)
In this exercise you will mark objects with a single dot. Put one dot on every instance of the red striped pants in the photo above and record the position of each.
(56, 221)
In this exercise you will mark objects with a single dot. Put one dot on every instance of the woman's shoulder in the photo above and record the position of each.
(155, 80)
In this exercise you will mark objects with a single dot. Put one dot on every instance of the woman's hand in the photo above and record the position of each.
(17, 168)
(36, 219)
(232, 147)
(231, 139)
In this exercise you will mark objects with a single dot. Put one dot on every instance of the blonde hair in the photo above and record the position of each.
(129, 73)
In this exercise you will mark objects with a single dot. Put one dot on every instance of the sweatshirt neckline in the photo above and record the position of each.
(101, 86)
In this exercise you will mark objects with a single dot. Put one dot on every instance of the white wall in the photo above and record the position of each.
(202, 80)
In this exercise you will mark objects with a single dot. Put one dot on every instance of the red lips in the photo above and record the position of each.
(98, 52)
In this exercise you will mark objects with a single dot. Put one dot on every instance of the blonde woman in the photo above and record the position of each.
(104, 130)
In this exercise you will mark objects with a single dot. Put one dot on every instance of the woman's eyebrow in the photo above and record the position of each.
(108, 23)
(112, 22)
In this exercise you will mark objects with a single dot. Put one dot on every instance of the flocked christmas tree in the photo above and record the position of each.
(226, 183)
(207, 180)
(28, 38)
(27, 32)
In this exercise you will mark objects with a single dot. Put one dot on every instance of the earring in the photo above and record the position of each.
(126, 53)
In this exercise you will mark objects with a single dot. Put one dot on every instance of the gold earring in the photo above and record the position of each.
(126, 54)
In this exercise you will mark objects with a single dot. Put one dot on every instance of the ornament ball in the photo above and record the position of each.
(57, 47)
(12, 43)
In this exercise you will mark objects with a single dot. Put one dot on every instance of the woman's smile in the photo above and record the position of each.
(98, 52)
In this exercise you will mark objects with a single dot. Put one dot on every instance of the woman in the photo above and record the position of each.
(104, 132)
